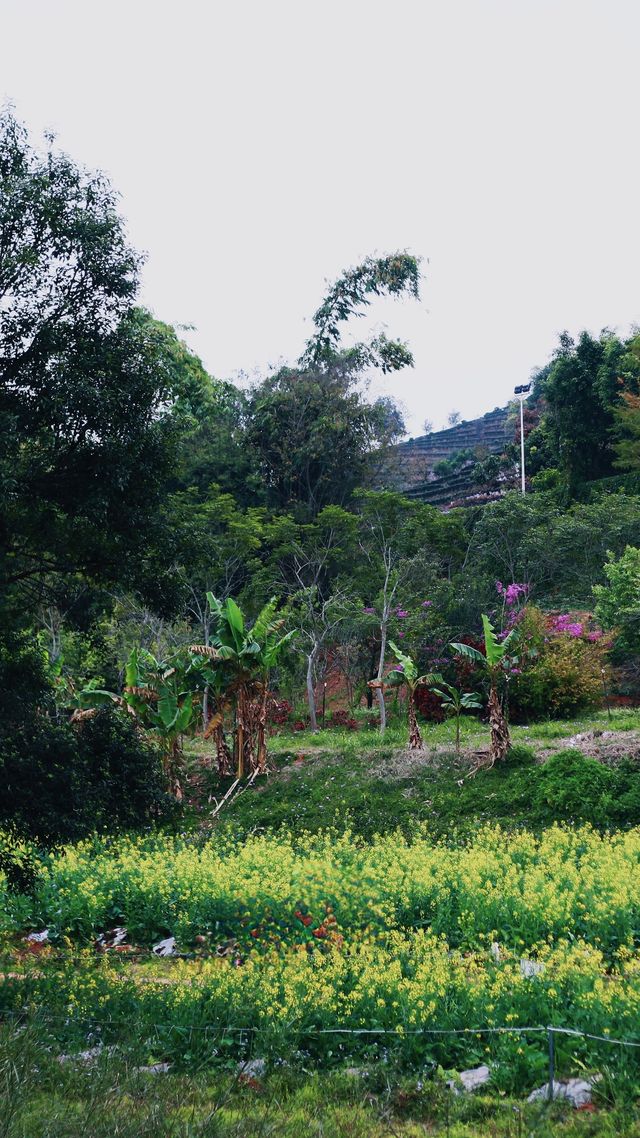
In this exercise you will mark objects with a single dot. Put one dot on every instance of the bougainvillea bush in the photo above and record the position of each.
(560, 666)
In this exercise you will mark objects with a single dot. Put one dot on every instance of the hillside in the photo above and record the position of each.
(412, 469)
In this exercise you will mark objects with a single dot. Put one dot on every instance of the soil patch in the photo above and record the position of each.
(609, 747)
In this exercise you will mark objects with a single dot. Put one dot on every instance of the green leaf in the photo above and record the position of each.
(167, 709)
(470, 653)
(235, 620)
(410, 670)
(132, 670)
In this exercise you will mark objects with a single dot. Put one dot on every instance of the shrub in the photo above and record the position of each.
(59, 783)
(575, 788)
(560, 668)
(278, 711)
(618, 602)
(342, 718)
(429, 705)
(19, 862)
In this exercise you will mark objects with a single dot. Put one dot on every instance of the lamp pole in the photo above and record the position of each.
(521, 391)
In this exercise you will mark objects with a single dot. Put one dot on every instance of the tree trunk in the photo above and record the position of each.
(500, 740)
(311, 695)
(205, 694)
(415, 738)
(241, 728)
(380, 690)
(262, 730)
(223, 756)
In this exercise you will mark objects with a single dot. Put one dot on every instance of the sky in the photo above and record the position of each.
(260, 147)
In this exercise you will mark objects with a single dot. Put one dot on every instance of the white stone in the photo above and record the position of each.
(113, 938)
(154, 1069)
(530, 968)
(166, 947)
(577, 1091)
(471, 1079)
(38, 938)
(253, 1068)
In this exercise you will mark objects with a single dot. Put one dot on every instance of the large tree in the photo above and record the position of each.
(93, 392)
(311, 429)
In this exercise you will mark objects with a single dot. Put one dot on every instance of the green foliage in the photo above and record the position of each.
(558, 551)
(93, 392)
(496, 651)
(313, 435)
(392, 275)
(58, 783)
(583, 790)
(20, 862)
(618, 602)
(455, 703)
(581, 392)
(559, 674)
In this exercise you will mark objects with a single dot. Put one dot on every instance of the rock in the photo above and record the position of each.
(91, 1055)
(253, 1068)
(577, 1091)
(495, 951)
(471, 1079)
(38, 938)
(356, 1072)
(166, 947)
(113, 938)
(530, 968)
(154, 1069)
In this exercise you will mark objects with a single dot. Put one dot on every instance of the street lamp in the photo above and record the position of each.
(522, 390)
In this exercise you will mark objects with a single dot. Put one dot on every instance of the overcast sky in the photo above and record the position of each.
(261, 146)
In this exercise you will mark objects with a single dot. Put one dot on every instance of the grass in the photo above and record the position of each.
(42, 1098)
(339, 778)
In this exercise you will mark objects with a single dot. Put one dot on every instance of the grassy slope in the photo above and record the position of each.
(374, 785)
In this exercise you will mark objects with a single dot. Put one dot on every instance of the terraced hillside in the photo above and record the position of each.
(413, 465)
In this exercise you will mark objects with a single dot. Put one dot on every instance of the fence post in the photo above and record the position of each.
(552, 1061)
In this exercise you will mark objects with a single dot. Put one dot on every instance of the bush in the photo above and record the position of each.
(559, 671)
(59, 783)
(429, 705)
(19, 862)
(278, 711)
(342, 718)
(575, 788)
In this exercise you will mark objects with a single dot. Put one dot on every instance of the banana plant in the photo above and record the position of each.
(494, 662)
(236, 665)
(406, 672)
(162, 695)
(455, 702)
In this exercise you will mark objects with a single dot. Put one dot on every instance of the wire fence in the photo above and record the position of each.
(246, 1032)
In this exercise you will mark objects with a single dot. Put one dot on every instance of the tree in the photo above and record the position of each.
(427, 426)
(453, 418)
(390, 535)
(236, 666)
(393, 275)
(162, 697)
(492, 661)
(581, 392)
(309, 560)
(406, 672)
(93, 392)
(618, 602)
(310, 427)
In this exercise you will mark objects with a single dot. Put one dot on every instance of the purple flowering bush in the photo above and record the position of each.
(559, 670)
